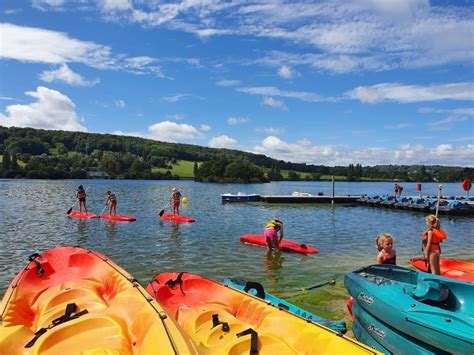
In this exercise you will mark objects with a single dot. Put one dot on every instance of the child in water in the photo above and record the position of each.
(432, 237)
(387, 255)
(273, 234)
(111, 200)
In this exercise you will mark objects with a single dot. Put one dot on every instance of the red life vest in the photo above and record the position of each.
(438, 236)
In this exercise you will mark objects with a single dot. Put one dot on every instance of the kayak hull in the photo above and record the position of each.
(83, 215)
(118, 217)
(251, 288)
(285, 244)
(79, 301)
(177, 218)
(452, 268)
(434, 311)
(223, 320)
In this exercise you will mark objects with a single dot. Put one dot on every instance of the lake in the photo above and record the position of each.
(33, 219)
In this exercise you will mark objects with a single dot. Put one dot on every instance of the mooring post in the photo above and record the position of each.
(333, 188)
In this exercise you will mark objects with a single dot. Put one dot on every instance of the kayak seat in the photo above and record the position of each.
(430, 290)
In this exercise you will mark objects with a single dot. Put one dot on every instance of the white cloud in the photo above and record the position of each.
(274, 91)
(228, 82)
(45, 5)
(52, 110)
(176, 117)
(398, 126)
(65, 74)
(115, 5)
(172, 132)
(455, 111)
(176, 98)
(31, 44)
(236, 120)
(412, 93)
(119, 103)
(270, 131)
(307, 152)
(286, 72)
(205, 127)
(448, 120)
(270, 101)
(223, 141)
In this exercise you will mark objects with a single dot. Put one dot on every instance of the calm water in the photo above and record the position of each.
(33, 219)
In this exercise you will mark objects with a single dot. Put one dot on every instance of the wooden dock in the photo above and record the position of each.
(309, 199)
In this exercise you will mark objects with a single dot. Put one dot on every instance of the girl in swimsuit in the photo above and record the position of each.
(387, 255)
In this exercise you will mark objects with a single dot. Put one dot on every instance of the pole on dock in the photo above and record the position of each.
(440, 187)
(333, 189)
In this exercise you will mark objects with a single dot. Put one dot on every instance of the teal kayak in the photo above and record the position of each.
(402, 310)
(256, 289)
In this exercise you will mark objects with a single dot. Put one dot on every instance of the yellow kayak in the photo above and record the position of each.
(75, 301)
(222, 320)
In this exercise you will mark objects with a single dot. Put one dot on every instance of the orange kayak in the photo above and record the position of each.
(223, 320)
(69, 299)
(452, 268)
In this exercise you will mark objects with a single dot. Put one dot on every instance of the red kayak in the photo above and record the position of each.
(117, 217)
(285, 244)
(177, 218)
(77, 214)
(452, 268)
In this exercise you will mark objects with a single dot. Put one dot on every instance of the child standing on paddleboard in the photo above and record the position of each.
(432, 237)
(273, 234)
(81, 196)
(111, 200)
(386, 255)
(176, 200)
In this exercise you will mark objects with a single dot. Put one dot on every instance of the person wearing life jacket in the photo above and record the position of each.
(387, 254)
(81, 196)
(273, 234)
(111, 200)
(432, 237)
(175, 200)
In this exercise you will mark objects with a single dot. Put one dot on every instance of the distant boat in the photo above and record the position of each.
(240, 197)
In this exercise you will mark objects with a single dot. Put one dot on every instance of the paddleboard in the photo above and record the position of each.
(177, 218)
(285, 244)
(77, 214)
(452, 268)
(118, 217)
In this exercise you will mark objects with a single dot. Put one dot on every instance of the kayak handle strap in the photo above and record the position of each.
(216, 322)
(33, 258)
(67, 316)
(257, 287)
(171, 283)
(253, 340)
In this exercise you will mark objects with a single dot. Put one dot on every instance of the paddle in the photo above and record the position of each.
(305, 289)
(75, 203)
(440, 187)
(103, 209)
(163, 210)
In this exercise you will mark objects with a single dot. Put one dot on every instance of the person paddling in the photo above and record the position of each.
(111, 200)
(175, 200)
(273, 234)
(81, 196)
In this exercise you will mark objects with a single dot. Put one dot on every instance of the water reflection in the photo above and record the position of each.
(273, 265)
(111, 229)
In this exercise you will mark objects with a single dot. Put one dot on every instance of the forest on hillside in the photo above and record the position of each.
(48, 154)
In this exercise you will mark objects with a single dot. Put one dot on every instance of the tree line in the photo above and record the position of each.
(52, 154)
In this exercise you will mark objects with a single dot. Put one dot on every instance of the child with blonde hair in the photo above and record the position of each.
(432, 237)
(387, 255)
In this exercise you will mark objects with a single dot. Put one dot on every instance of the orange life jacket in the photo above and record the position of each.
(438, 236)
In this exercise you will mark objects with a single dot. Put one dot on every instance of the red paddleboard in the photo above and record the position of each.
(118, 217)
(452, 268)
(177, 218)
(285, 244)
(77, 214)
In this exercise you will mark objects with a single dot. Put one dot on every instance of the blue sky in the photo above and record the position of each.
(331, 82)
